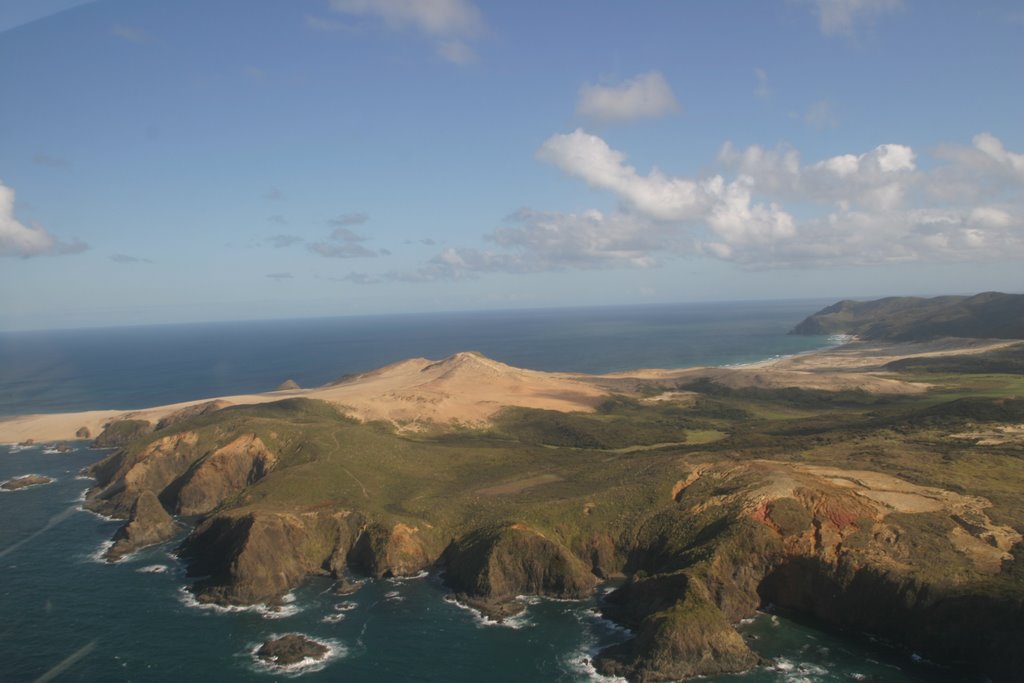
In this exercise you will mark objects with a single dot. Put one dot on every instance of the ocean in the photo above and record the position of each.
(66, 616)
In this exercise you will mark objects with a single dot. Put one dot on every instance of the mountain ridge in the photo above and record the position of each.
(988, 315)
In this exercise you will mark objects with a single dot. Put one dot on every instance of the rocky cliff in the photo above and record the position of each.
(147, 525)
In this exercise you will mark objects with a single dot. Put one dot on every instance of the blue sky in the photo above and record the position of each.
(239, 159)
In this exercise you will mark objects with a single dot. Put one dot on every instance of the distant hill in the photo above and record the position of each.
(991, 315)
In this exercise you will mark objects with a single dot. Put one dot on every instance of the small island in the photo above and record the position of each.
(24, 482)
(873, 487)
(292, 649)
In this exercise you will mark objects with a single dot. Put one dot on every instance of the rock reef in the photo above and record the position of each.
(291, 649)
(24, 482)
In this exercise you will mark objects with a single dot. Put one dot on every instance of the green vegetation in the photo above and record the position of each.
(991, 315)
(540, 501)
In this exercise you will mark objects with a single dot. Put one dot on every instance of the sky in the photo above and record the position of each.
(198, 160)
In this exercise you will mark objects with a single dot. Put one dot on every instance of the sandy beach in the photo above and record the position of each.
(467, 389)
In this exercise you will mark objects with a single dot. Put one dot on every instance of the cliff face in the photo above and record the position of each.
(187, 475)
(123, 476)
(223, 473)
(258, 557)
(286, 490)
(148, 524)
(492, 566)
(854, 549)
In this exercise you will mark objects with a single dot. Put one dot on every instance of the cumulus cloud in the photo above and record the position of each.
(761, 208)
(642, 97)
(343, 242)
(589, 158)
(842, 16)
(450, 23)
(18, 239)
(876, 206)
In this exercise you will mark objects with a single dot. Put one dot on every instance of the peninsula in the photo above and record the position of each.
(873, 486)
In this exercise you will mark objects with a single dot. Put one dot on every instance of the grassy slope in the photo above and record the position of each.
(578, 475)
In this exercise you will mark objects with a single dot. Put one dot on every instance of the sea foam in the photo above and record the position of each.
(288, 609)
(335, 650)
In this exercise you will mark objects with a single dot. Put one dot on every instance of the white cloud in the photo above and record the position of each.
(821, 115)
(17, 239)
(456, 52)
(644, 96)
(842, 16)
(762, 90)
(450, 23)
(589, 158)
(872, 207)
(765, 208)
(434, 17)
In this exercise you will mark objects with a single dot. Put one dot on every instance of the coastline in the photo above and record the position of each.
(470, 388)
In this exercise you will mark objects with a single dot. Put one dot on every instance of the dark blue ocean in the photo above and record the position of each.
(66, 616)
(137, 367)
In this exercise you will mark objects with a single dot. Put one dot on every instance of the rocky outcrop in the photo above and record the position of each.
(680, 632)
(224, 473)
(122, 477)
(288, 385)
(855, 549)
(490, 567)
(148, 524)
(258, 557)
(396, 550)
(122, 432)
(83, 433)
(24, 482)
(291, 649)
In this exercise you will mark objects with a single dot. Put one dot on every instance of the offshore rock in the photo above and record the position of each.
(291, 649)
(24, 482)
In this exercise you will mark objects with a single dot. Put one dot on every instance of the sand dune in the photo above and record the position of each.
(467, 389)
